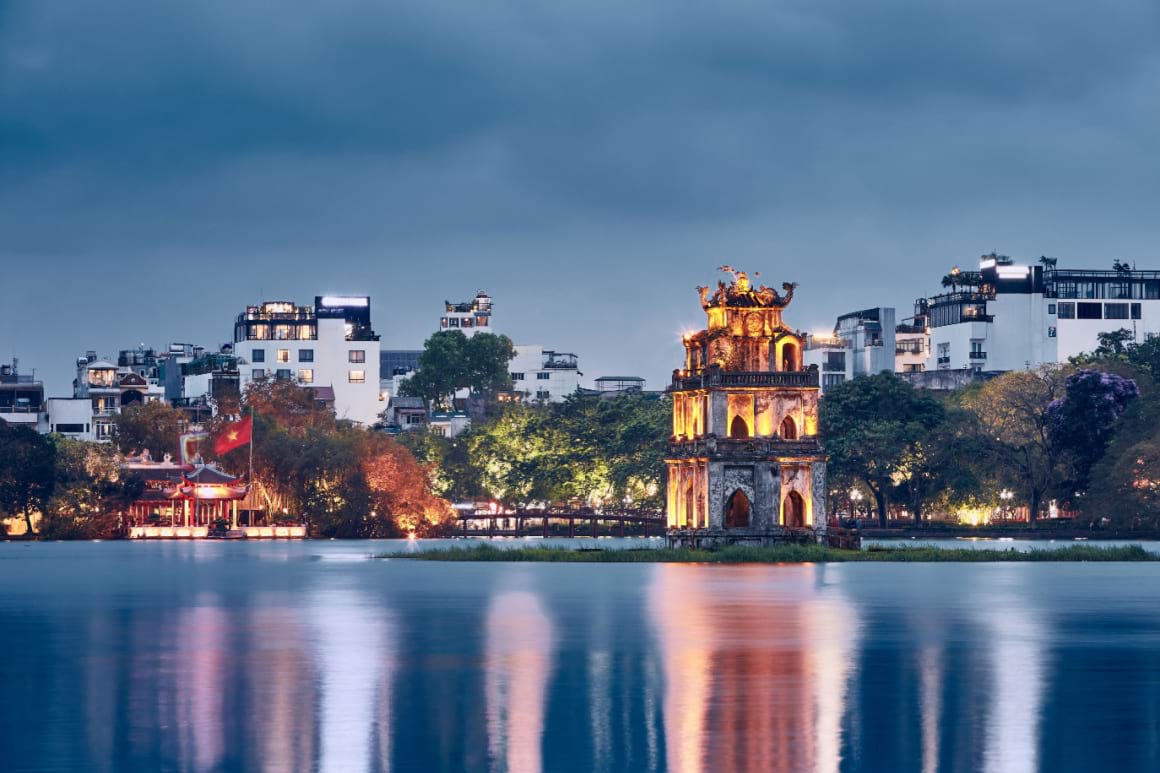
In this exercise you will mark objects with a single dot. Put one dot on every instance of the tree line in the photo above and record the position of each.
(1082, 435)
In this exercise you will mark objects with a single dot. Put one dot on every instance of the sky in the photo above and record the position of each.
(164, 164)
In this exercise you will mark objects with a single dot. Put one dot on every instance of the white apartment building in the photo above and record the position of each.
(544, 375)
(329, 347)
(21, 397)
(471, 317)
(101, 390)
(863, 343)
(1008, 316)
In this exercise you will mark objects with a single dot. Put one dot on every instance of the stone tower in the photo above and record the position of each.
(745, 462)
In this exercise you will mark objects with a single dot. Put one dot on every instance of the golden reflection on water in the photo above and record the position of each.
(517, 667)
(756, 666)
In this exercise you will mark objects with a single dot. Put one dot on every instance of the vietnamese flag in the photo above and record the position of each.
(236, 435)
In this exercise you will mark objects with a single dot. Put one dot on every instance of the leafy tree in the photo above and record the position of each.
(451, 361)
(27, 461)
(153, 426)
(450, 471)
(89, 493)
(1012, 430)
(400, 487)
(1082, 422)
(877, 430)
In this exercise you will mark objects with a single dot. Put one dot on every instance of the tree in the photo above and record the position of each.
(451, 361)
(27, 461)
(89, 492)
(1012, 430)
(876, 429)
(1083, 421)
(400, 488)
(153, 426)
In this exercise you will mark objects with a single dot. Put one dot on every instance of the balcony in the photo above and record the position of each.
(978, 355)
(758, 447)
(944, 360)
(716, 378)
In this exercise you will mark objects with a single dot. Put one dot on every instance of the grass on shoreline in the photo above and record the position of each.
(782, 554)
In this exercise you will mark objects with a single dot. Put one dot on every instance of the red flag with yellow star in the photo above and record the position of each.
(236, 435)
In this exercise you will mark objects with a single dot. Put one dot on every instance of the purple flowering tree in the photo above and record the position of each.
(1081, 422)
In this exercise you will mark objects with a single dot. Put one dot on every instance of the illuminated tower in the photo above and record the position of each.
(745, 462)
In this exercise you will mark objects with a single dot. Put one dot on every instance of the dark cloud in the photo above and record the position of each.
(588, 163)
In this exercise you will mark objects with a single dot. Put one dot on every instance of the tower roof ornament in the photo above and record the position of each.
(740, 292)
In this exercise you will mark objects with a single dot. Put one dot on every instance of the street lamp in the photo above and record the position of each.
(855, 500)
(1006, 495)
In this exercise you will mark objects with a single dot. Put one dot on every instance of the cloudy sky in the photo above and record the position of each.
(162, 164)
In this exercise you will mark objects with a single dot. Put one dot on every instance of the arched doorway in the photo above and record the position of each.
(794, 510)
(738, 428)
(789, 357)
(737, 511)
(131, 397)
(788, 429)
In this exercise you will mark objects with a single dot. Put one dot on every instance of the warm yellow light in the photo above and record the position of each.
(411, 536)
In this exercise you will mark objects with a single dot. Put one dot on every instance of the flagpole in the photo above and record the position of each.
(251, 464)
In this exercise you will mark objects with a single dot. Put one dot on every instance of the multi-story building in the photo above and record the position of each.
(471, 317)
(21, 397)
(863, 343)
(108, 389)
(544, 375)
(330, 347)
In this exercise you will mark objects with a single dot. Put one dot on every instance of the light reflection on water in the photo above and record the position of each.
(298, 657)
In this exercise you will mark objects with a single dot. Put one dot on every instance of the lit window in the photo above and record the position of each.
(258, 374)
(357, 377)
(358, 355)
(306, 375)
(282, 355)
(259, 355)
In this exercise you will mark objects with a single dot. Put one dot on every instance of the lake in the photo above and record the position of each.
(312, 656)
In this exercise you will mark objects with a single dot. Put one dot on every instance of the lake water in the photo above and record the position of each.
(311, 656)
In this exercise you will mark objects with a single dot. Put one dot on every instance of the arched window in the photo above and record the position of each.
(788, 429)
(789, 357)
(131, 397)
(737, 511)
(738, 428)
(794, 510)
(690, 507)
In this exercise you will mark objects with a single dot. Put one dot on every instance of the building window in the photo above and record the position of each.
(306, 375)
(357, 377)
(977, 352)
(466, 322)
(944, 354)
(443, 322)
(282, 374)
(1051, 332)
(1136, 310)
(1067, 311)
(832, 379)
(517, 377)
(258, 374)
(282, 355)
(454, 321)
(1151, 290)
(1089, 310)
(481, 321)
(306, 355)
(544, 376)
(1066, 290)
(1119, 290)
(543, 394)
(259, 355)
(1051, 308)
(1115, 311)
(357, 355)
